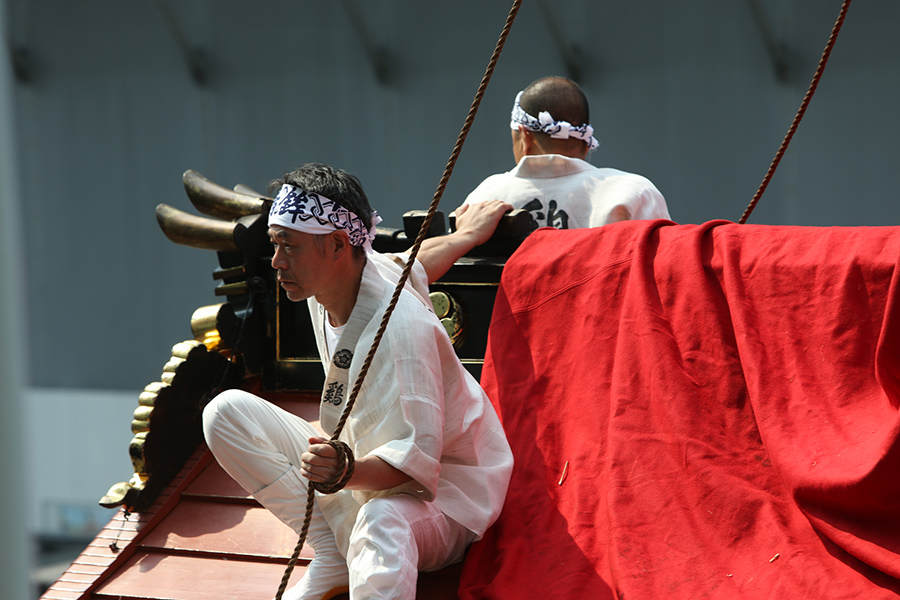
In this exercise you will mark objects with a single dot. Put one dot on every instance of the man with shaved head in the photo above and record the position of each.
(551, 140)
(552, 180)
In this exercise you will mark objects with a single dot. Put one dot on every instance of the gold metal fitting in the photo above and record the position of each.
(204, 326)
(142, 413)
(449, 311)
(182, 349)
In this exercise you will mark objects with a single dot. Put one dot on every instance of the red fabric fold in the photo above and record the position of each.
(697, 411)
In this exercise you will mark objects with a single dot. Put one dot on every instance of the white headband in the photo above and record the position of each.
(297, 209)
(555, 129)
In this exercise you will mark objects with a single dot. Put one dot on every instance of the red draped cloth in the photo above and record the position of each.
(697, 411)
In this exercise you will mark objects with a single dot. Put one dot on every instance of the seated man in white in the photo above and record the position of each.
(551, 139)
(422, 466)
(552, 179)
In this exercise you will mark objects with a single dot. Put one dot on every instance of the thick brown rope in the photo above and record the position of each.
(423, 230)
(806, 99)
(451, 163)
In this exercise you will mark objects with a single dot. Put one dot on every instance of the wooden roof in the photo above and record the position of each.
(204, 538)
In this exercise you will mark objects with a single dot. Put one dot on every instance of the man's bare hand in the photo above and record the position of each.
(475, 224)
(320, 462)
(480, 220)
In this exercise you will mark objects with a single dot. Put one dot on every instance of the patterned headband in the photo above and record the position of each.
(555, 129)
(297, 209)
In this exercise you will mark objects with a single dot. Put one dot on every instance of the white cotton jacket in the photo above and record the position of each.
(569, 193)
(419, 410)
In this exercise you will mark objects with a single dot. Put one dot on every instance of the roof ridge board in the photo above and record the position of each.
(220, 498)
(148, 519)
(224, 556)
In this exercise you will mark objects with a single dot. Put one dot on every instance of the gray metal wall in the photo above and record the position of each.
(682, 92)
(15, 549)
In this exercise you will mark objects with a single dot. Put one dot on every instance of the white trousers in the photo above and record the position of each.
(259, 445)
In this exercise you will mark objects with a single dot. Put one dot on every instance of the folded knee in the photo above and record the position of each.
(386, 511)
(227, 407)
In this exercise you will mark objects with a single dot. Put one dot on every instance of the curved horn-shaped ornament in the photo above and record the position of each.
(249, 191)
(217, 201)
(196, 232)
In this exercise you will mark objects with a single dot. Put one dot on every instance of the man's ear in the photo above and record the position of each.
(529, 142)
(522, 142)
(339, 242)
(584, 154)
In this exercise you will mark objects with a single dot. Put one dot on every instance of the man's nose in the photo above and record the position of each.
(277, 259)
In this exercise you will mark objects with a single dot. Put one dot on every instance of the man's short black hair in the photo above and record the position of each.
(335, 184)
(560, 97)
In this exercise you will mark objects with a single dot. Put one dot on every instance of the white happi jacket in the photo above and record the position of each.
(569, 193)
(419, 410)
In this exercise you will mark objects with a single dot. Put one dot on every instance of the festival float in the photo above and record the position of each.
(696, 411)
